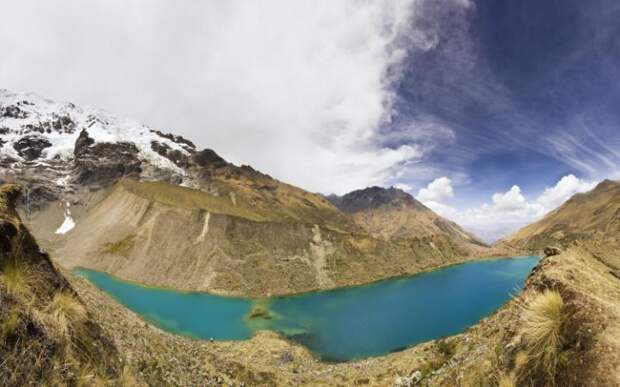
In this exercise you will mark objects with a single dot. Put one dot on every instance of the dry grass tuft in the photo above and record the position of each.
(64, 313)
(120, 247)
(10, 324)
(521, 359)
(507, 380)
(127, 378)
(16, 278)
(542, 330)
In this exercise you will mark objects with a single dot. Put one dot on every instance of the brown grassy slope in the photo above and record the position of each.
(592, 216)
(188, 239)
(589, 350)
(262, 197)
(46, 334)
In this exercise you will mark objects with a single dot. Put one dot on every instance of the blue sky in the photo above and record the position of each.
(534, 97)
(529, 89)
(490, 112)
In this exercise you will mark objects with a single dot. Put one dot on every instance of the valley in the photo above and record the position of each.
(117, 198)
(110, 194)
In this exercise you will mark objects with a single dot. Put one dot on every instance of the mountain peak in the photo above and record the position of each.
(375, 197)
(38, 130)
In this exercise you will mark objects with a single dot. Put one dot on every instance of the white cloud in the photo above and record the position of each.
(296, 89)
(403, 186)
(565, 188)
(507, 211)
(439, 190)
(442, 209)
(512, 201)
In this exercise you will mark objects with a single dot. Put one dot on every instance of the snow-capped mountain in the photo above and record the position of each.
(35, 128)
(53, 147)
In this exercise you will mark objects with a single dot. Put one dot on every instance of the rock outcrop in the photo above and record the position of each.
(551, 251)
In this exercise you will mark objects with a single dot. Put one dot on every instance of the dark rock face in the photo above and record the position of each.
(31, 147)
(82, 143)
(208, 158)
(160, 148)
(185, 143)
(59, 124)
(103, 163)
(12, 111)
(551, 250)
(174, 155)
(374, 197)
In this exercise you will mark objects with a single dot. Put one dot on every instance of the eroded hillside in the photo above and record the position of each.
(165, 235)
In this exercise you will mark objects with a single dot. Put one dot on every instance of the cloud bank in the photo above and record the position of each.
(297, 89)
(507, 211)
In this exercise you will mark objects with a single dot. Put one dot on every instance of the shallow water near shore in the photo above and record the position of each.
(341, 324)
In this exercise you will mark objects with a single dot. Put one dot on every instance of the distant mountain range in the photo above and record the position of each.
(115, 195)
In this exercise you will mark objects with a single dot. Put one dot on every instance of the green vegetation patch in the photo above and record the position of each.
(182, 197)
(120, 247)
(260, 312)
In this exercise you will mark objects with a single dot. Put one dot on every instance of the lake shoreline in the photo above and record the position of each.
(318, 290)
(341, 324)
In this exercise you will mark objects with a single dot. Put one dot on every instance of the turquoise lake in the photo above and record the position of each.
(342, 324)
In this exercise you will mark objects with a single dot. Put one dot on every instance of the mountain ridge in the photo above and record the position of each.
(391, 214)
(272, 237)
(591, 217)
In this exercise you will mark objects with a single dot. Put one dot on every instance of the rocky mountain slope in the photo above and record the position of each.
(592, 216)
(47, 337)
(114, 195)
(132, 229)
(391, 214)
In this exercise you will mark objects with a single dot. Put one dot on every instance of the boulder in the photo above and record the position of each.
(551, 250)
(408, 381)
